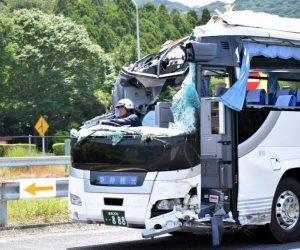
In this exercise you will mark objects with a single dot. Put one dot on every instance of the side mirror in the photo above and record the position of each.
(200, 52)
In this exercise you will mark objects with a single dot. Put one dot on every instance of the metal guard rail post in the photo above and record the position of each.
(10, 190)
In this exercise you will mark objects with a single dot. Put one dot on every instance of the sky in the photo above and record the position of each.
(192, 3)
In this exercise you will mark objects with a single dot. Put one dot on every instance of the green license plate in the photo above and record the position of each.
(114, 218)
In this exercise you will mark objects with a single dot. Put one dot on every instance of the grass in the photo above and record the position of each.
(7, 173)
(21, 152)
(37, 211)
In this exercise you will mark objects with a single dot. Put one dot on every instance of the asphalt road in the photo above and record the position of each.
(93, 237)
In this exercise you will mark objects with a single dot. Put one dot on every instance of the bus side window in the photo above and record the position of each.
(254, 117)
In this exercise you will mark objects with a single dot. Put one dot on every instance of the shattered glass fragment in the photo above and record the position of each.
(145, 138)
(184, 103)
(116, 137)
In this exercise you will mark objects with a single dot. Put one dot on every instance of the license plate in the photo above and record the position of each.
(114, 218)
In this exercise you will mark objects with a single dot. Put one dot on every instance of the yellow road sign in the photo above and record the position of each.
(41, 126)
(37, 188)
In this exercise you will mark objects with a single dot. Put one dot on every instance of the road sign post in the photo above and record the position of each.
(3, 212)
(29, 142)
(43, 145)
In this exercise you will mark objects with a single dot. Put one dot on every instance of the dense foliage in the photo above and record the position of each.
(170, 5)
(59, 58)
(287, 8)
(112, 25)
(48, 67)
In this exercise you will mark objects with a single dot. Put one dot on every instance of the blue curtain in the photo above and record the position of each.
(235, 96)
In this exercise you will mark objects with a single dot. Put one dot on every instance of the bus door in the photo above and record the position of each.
(218, 152)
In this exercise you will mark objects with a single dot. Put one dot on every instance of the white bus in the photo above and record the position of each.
(221, 154)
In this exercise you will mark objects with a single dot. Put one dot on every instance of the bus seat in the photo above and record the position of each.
(149, 119)
(298, 97)
(163, 114)
(256, 97)
(286, 91)
(220, 89)
(286, 100)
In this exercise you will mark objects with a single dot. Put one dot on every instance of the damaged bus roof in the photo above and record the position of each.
(251, 25)
(170, 63)
(153, 70)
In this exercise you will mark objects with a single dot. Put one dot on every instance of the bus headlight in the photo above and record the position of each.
(167, 204)
(75, 200)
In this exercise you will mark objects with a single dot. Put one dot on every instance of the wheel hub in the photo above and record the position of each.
(287, 210)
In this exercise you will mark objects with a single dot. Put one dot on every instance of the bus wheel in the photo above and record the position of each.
(285, 220)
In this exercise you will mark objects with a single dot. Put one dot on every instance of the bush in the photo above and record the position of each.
(58, 148)
(60, 136)
(16, 150)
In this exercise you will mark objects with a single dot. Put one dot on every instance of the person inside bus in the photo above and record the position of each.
(127, 115)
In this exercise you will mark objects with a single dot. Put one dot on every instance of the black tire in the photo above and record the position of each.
(180, 234)
(285, 219)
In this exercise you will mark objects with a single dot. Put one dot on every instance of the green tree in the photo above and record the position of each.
(44, 5)
(205, 16)
(125, 52)
(192, 18)
(112, 25)
(65, 7)
(56, 72)
(148, 10)
(177, 21)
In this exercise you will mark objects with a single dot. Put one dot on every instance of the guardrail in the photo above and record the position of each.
(34, 161)
(31, 188)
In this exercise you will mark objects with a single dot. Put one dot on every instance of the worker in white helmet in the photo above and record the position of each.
(127, 116)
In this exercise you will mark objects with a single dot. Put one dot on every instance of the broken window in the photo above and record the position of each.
(184, 104)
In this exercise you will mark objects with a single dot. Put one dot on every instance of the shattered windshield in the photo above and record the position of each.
(162, 88)
(166, 140)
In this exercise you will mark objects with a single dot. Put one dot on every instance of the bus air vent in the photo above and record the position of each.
(113, 201)
(225, 45)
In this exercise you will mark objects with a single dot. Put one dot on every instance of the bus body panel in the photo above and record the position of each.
(137, 201)
(133, 204)
(261, 169)
(173, 185)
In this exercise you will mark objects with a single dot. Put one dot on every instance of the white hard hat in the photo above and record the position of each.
(126, 103)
